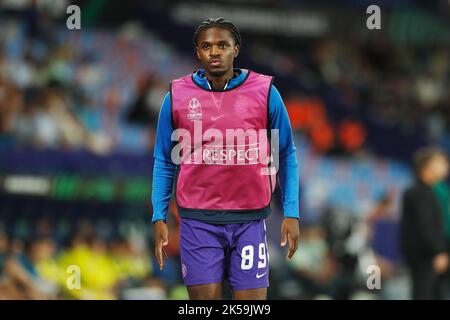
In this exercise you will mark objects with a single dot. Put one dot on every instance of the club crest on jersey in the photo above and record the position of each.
(241, 104)
(195, 110)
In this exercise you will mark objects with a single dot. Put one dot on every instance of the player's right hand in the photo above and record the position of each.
(161, 240)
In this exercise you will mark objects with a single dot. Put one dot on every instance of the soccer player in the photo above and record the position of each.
(222, 193)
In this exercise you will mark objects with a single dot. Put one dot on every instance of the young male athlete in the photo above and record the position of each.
(221, 189)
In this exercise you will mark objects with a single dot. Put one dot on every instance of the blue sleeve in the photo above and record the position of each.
(288, 166)
(163, 169)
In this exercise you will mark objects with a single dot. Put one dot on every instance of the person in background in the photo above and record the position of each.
(442, 191)
(422, 236)
(315, 269)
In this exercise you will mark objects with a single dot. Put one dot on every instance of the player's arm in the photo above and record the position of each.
(163, 174)
(288, 171)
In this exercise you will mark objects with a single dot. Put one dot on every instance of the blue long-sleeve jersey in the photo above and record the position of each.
(164, 169)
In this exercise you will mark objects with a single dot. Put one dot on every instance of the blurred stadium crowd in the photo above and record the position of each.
(40, 265)
(358, 109)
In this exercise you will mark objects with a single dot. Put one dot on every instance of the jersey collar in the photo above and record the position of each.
(201, 80)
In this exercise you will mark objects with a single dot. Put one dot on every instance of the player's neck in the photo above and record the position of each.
(219, 82)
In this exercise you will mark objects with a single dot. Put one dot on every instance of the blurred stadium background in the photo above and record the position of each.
(78, 113)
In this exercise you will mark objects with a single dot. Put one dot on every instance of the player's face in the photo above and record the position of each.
(216, 51)
(440, 166)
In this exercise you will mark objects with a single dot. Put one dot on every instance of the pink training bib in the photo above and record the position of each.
(223, 140)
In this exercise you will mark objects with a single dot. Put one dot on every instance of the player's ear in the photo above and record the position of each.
(236, 51)
(196, 52)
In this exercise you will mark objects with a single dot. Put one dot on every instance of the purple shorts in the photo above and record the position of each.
(236, 252)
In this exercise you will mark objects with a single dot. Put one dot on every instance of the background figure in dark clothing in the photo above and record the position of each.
(422, 230)
(442, 192)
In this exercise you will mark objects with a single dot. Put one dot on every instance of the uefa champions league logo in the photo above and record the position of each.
(195, 111)
(194, 104)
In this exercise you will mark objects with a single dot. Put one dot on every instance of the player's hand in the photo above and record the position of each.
(290, 232)
(161, 240)
(440, 262)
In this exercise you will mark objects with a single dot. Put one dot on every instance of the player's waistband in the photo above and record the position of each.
(224, 217)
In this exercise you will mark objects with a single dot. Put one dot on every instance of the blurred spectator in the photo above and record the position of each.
(19, 278)
(352, 135)
(383, 236)
(145, 108)
(133, 265)
(315, 268)
(98, 274)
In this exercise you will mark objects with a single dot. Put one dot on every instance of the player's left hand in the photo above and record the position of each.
(290, 232)
(161, 240)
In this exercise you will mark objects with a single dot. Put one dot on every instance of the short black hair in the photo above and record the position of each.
(424, 155)
(219, 23)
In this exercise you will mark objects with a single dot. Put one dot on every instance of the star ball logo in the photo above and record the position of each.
(195, 112)
(194, 104)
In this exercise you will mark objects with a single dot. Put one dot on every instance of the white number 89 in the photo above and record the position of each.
(247, 257)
